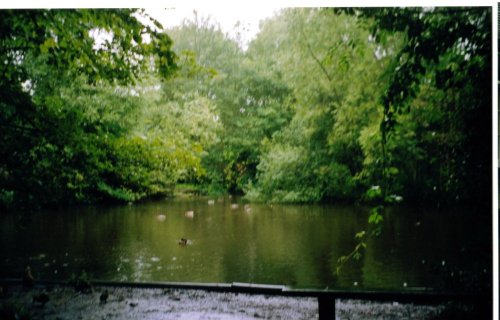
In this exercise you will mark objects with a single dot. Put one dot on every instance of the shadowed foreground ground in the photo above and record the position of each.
(136, 303)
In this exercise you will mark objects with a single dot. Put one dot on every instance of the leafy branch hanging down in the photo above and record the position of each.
(431, 34)
(448, 48)
(375, 219)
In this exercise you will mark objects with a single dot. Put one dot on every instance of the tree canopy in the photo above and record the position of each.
(61, 102)
(359, 104)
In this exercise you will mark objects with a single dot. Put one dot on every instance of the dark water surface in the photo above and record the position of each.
(269, 244)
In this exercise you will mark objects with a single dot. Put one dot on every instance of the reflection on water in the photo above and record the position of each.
(272, 244)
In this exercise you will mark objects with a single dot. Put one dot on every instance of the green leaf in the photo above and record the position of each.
(360, 235)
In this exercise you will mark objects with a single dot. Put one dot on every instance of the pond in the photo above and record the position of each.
(295, 245)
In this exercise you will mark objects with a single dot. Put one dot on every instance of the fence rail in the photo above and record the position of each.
(326, 298)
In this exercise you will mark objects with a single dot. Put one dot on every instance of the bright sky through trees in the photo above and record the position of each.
(248, 15)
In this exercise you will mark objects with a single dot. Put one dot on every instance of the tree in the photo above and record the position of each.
(249, 106)
(333, 76)
(49, 139)
(450, 50)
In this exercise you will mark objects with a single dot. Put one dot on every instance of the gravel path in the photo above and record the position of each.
(144, 304)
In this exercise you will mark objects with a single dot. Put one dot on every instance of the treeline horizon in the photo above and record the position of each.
(372, 105)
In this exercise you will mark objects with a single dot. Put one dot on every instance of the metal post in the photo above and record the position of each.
(326, 307)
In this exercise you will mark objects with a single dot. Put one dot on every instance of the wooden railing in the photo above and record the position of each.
(326, 298)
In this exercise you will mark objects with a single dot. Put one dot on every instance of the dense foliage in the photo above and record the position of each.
(66, 110)
(445, 64)
(324, 105)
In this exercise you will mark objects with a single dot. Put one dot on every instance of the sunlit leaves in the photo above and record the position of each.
(333, 75)
(249, 105)
(186, 126)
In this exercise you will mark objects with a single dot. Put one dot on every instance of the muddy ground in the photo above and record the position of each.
(137, 303)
